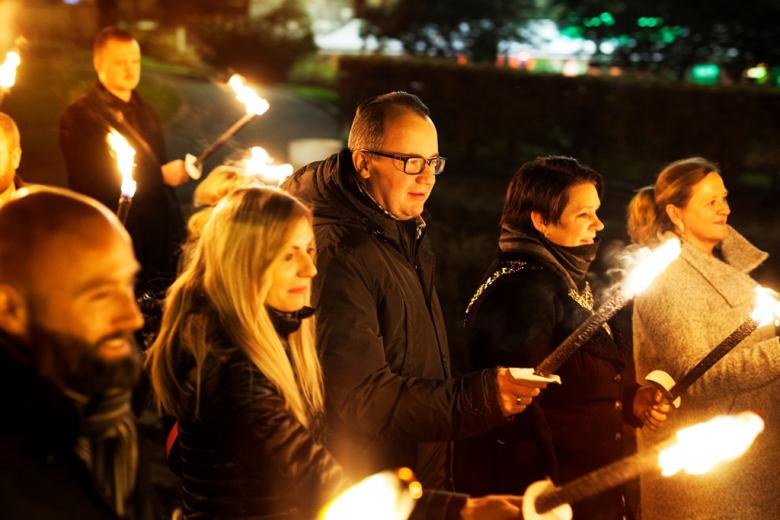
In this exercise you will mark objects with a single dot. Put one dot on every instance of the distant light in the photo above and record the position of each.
(607, 18)
(649, 21)
(72, 2)
(758, 73)
(705, 74)
(607, 47)
(572, 68)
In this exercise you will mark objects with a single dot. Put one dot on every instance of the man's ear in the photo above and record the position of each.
(360, 164)
(16, 157)
(14, 311)
(538, 222)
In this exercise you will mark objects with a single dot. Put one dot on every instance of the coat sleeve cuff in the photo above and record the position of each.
(439, 505)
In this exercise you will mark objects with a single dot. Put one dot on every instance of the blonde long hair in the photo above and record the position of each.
(647, 218)
(231, 268)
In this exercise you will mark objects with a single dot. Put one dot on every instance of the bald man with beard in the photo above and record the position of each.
(68, 361)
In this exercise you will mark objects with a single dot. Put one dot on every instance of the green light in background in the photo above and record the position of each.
(705, 74)
(573, 32)
(607, 18)
(649, 21)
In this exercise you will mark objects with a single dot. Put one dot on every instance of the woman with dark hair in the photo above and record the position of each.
(235, 364)
(692, 306)
(536, 293)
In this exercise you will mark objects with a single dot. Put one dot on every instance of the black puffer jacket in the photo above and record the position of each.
(245, 455)
(516, 318)
(391, 400)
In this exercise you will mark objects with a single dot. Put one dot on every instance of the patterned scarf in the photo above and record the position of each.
(108, 444)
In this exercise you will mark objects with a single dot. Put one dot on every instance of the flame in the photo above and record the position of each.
(125, 155)
(767, 307)
(254, 104)
(259, 164)
(382, 496)
(701, 447)
(8, 69)
(650, 265)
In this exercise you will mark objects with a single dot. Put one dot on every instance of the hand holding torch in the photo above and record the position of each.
(695, 450)
(766, 310)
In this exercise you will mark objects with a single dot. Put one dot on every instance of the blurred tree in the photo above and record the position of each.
(447, 27)
(264, 48)
(671, 35)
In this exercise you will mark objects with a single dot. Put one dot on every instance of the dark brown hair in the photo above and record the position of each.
(543, 185)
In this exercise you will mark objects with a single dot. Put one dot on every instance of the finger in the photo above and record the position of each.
(526, 391)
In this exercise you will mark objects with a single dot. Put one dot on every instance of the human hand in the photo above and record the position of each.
(650, 407)
(174, 172)
(514, 396)
(493, 507)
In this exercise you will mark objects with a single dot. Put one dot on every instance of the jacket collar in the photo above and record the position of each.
(331, 189)
(737, 252)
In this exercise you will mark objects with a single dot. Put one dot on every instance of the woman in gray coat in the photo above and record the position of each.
(696, 303)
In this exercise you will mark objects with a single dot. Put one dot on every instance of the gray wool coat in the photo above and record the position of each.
(696, 303)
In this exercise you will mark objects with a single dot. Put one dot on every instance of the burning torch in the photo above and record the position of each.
(254, 106)
(640, 277)
(8, 72)
(125, 155)
(260, 164)
(765, 311)
(389, 495)
(695, 450)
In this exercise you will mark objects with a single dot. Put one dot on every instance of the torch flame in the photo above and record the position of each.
(254, 104)
(125, 155)
(767, 307)
(382, 496)
(650, 265)
(259, 164)
(702, 446)
(8, 69)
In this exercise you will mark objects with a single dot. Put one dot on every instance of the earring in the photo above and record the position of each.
(546, 233)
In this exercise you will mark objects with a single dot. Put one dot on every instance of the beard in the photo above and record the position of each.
(76, 364)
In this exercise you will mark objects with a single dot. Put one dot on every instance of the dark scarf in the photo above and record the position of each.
(285, 323)
(108, 444)
(572, 263)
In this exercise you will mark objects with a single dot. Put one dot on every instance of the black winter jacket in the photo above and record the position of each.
(245, 455)
(154, 221)
(40, 474)
(516, 319)
(390, 395)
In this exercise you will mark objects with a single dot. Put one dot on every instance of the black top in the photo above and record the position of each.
(524, 308)
(154, 221)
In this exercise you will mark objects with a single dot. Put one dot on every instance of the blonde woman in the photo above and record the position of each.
(235, 363)
(697, 302)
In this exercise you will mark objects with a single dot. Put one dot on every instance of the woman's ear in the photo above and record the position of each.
(538, 222)
(675, 215)
(360, 164)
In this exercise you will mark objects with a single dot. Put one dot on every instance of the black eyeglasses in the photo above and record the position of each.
(413, 164)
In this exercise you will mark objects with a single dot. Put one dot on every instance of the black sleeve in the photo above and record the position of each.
(360, 386)
(90, 168)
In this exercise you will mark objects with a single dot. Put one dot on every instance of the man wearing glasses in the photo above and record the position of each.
(391, 398)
